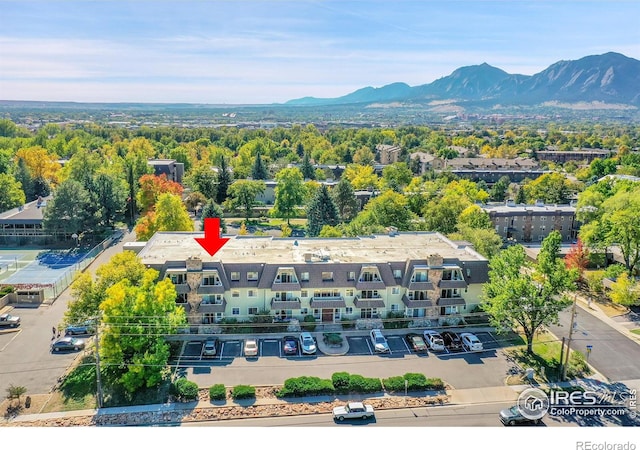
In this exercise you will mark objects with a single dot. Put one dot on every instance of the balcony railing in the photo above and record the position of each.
(289, 303)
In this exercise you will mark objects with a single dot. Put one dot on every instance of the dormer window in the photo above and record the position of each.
(177, 276)
(286, 275)
(211, 279)
(452, 275)
(420, 276)
(369, 274)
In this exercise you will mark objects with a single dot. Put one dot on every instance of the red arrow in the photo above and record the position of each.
(212, 242)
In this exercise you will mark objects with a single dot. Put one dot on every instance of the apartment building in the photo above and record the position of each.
(389, 154)
(421, 275)
(532, 223)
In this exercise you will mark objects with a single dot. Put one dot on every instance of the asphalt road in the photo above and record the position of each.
(612, 354)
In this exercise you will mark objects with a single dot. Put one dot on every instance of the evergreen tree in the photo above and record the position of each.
(224, 181)
(259, 171)
(308, 172)
(210, 210)
(521, 198)
(321, 211)
(345, 200)
(300, 149)
(23, 175)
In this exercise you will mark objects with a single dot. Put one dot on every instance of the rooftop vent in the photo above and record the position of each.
(511, 202)
(539, 203)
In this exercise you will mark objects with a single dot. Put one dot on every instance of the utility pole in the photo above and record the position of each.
(573, 318)
(98, 379)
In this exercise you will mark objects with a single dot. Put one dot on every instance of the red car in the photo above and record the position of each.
(290, 345)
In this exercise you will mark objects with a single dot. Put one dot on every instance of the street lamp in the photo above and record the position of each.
(74, 236)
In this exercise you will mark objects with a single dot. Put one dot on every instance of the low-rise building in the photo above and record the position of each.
(416, 275)
(170, 167)
(532, 223)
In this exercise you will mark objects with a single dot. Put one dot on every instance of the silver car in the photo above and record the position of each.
(307, 343)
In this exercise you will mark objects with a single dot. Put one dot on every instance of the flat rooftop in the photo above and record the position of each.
(522, 208)
(178, 246)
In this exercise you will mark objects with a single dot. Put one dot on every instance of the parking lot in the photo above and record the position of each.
(357, 346)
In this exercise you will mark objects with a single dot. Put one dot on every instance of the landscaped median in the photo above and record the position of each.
(298, 396)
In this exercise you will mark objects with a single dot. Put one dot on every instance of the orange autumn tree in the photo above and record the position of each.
(577, 258)
(151, 186)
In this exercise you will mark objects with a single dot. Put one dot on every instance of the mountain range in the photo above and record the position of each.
(610, 78)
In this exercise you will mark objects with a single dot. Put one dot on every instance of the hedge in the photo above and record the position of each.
(218, 392)
(243, 391)
(185, 390)
(415, 382)
(303, 386)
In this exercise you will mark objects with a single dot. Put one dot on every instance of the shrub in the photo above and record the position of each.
(185, 390)
(332, 338)
(340, 382)
(243, 391)
(578, 366)
(415, 382)
(309, 323)
(347, 324)
(303, 386)
(218, 392)
(395, 320)
(358, 383)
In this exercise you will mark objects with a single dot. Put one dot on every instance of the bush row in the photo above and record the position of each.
(186, 391)
(346, 383)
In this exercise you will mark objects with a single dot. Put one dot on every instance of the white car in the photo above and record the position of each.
(307, 343)
(434, 340)
(379, 342)
(251, 347)
(471, 342)
(353, 410)
(209, 348)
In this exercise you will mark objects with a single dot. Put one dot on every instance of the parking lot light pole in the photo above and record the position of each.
(573, 323)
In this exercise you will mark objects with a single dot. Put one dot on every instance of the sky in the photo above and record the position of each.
(266, 51)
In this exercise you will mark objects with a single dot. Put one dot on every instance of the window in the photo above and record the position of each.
(181, 298)
(395, 307)
(504, 229)
(349, 293)
(304, 294)
(395, 290)
(506, 219)
(235, 276)
(327, 276)
(420, 276)
(208, 318)
(251, 293)
(304, 311)
(235, 293)
(397, 273)
(448, 310)
(304, 276)
(368, 313)
(543, 218)
(351, 276)
(252, 276)
(235, 311)
(210, 279)
(369, 294)
(252, 311)
(286, 277)
(348, 310)
(336, 314)
(178, 278)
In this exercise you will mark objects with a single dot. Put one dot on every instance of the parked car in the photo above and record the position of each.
(513, 416)
(451, 340)
(379, 342)
(307, 343)
(353, 410)
(251, 347)
(434, 340)
(209, 348)
(471, 342)
(290, 345)
(7, 320)
(67, 343)
(87, 327)
(416, 342)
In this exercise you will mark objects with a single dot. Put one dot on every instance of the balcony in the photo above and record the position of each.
(374, 302)
(279, 286)
(182, 288)
(290, 303)
(328, 302)
(450, 301)
(420, 284)
(452, 284)
(366, 284)
(411, 303)
(211, 289)
(212, 306)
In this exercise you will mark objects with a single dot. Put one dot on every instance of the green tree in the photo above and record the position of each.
(11, 193)
(475, 217)
(23, 176)
(321, 211)
(520, 294)
(202, 178)
(289, 193)
(110, 195)
(224, 181)
(345, 200)
(550, 188)
(259, 171)
(361, 177)
(330, 232)
(499, 189)
(243, 194)
(484, 240)
(625, 291)
(308, 172)
(396, 176)
(67, 211)
(170, 215)
(388, 209)
(135, 319)
(211, 209)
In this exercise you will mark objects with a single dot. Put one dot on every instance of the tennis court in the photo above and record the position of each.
(51, 270)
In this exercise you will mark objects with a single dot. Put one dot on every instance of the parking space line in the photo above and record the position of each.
(15, 335)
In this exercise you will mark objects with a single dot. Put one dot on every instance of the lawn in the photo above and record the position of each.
(636, 331)
(545, 359)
